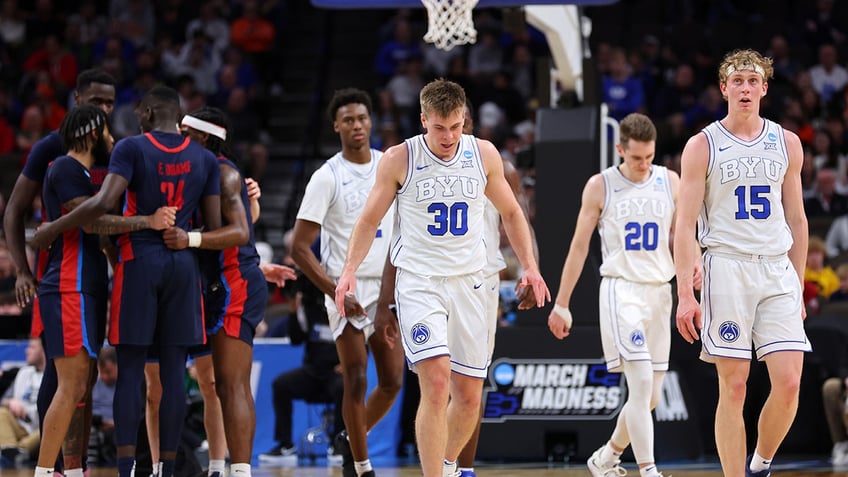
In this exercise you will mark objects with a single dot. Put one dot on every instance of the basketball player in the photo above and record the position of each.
(94, 87)
(74, 287)
(334, 198)
(742, 174)
(441, 181)
(236, 292)
(155, 300)
(632, 205)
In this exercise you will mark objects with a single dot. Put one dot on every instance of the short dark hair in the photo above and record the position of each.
(163, 94)
(348, 96)
(77, 125)
(93, 75)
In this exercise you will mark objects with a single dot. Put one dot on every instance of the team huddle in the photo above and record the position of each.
(408, 263)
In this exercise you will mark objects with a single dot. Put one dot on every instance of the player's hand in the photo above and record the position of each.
(352, 307)
(277, 274)
(698, 275)
(386, 325)
(175, 238)
(525, 296)
(345, 289)
(689, 318)
(540, 289)
(44, 236)
(253, 190)
(559, 321)
(25, 289)
(163, 218)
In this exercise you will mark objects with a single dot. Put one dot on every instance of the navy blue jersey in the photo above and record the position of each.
(74, 262)
(162, 169)
(244, 255)
(45, 151)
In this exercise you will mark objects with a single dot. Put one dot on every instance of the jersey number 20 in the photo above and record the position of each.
(641, 236)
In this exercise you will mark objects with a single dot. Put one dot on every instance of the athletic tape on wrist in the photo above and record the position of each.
(194, 239)
(563, 313)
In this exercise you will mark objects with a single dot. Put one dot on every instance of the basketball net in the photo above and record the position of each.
(449, 23)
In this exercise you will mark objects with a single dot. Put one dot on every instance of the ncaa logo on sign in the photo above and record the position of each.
(637, 338)
(420, 334)
(729, 331)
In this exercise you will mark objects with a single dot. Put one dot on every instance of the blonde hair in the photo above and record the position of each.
(738, 60)
(442, 97)
(816, 244)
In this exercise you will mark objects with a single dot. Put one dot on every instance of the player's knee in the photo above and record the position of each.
(154, 394)
(787, 385)
(208, 388)
(733, 390)
(356, 379)
(390, 385)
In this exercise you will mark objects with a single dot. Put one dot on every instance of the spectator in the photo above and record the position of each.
(396, 50)
(834, 400)
(200, 60)
(19, 432)
(841, 294)
(317, 380)
(245, 125)
(785, 67)
(55, 61)
(102, 397)
(816, 271)
(252, 33)
(136, 19)
(826, 202)
(485, 57)
(211, 24)
(828, 76)
(836, 239)
(12, 24)
(89, 23)
(622, 92)
(32, 129)
(678, 96)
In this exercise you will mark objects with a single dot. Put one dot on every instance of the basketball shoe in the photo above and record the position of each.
(601, 469)
(750, 473)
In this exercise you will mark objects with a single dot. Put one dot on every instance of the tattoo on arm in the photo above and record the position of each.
(116, 224)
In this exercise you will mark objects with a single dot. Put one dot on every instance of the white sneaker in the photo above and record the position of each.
(839, 456)
(598, 469)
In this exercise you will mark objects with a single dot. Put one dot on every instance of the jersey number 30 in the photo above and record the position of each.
(641, 236)
(453, 219)
(756, 205)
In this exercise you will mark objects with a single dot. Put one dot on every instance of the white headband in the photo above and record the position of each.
(755, 68)
(204, 126)
(87, 128)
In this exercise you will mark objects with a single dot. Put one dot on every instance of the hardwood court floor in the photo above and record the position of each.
(810, 468)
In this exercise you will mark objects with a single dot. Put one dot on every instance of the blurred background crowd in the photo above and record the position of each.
(271, 65)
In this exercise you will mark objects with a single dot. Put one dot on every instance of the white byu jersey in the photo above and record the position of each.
(634, 227)
(492, 238)
(743, 208)
(440, 210)
(334, 198)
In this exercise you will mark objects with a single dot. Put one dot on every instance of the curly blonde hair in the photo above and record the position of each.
(745, 60)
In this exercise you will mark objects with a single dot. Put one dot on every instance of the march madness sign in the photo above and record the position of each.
(560, 389)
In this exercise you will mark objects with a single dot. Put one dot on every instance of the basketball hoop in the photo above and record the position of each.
(449, 23)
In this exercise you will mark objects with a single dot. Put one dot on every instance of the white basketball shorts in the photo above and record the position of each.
(367, 292)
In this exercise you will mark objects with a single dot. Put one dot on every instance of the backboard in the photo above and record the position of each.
(356, 4)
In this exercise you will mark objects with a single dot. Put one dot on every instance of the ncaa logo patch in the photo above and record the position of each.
(468, 154)
(772, 136)
(420, 334)
(637, 338)
(729, 331)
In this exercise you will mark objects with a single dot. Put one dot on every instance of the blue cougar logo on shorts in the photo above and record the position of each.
(729, 331)
(637, 338)
(420, 334)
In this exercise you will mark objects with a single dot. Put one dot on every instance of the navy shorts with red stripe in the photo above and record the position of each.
(236, 304)
(73, 321)
(157, 299)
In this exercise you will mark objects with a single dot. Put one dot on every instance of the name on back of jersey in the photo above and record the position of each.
(748, 167)
(178, 169)
(446, 187)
